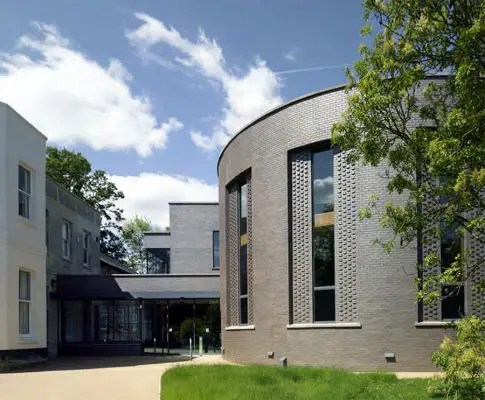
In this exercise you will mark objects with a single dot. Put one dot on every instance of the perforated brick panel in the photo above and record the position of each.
(477, 305)
(431, 244)
(250, 253)
(301, 231)
(232, 259)
(345, 239)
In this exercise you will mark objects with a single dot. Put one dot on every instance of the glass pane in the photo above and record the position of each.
(450, 247)
(453, 305)
(323, 214)
(323, 248)
(24, 205)
(244, 201)
(243, 270)
(24, 179)
(24, 285)
(324, 305)
(215, 249)
(323, 198)
(244, 310)
(24, 320)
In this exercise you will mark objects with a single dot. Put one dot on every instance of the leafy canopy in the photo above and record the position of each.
(74, 172)
(431, 133)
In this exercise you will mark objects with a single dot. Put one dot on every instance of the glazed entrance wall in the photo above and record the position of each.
(376, 310)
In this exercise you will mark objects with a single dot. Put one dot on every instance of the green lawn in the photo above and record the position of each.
(226, 382)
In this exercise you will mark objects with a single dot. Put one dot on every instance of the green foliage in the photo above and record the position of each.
(73, 171)
(187, 328)
(463, 362)
(132, 232)
(293, 383)
(387, 95)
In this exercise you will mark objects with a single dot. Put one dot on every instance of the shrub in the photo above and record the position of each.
(462, 361)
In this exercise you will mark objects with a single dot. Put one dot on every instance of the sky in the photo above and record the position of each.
(151, 90)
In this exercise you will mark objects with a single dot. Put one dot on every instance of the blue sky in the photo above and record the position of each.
(180, 77)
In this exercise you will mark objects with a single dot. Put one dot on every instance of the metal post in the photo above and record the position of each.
(190, 348)
(168, 327)
(193, 322)
(201, 344)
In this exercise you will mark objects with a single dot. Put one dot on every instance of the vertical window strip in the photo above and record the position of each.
(24, 191)
(243, 252)
(25, 297)
(323, 236)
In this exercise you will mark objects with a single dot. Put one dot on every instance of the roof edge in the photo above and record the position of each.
(297, 100)
(25, 119)
(193, 203)
(276, 109)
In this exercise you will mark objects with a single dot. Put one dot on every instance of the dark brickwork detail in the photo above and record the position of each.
(431, 244)
(477, 251)
(301, 206)
(250, 253)
(345, 239)
(232, 258)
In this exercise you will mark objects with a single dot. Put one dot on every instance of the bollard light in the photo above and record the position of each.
(284, 362)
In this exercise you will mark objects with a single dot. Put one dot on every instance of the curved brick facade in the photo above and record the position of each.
(376, 310)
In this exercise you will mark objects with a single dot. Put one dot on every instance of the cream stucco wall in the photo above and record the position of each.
(22, 241)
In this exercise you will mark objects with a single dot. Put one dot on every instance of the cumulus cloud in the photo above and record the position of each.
(73, 99)
(246, 96)
(148, 194)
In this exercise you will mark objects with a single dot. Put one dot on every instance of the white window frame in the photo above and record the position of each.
(66, 241)
(27, 301)
(86, 248)
(21, 192)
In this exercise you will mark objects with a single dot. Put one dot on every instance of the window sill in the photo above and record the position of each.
(27, 222)
(326, 325)
(241, 328)
(434, 324)
(27, 339)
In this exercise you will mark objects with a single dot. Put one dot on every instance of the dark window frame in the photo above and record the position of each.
(243, 297)
(317, 148)
(214, 264)
(459, 299)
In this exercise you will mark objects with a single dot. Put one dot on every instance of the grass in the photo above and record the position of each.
(228, 382)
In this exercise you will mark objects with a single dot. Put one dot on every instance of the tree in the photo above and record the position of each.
(74, 172)
(133, 233)
(438, 163)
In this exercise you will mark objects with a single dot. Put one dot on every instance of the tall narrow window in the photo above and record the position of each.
(25, 192)
(24, 302)
(243, 251)
(215, 250)
(86, 248)
(47, 229)
(66, 239)
(453, 296)
(323, 236)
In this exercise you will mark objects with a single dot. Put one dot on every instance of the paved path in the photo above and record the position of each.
(114, 378)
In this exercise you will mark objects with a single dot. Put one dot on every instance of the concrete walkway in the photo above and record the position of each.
(114, 378)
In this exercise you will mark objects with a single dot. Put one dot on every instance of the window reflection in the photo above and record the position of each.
(243, 252)
(323, 236)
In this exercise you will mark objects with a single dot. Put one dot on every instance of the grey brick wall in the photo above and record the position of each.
(373, 288)
(191, 227)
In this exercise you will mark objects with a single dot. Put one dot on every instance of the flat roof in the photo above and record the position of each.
(137, 286)
(193, 203)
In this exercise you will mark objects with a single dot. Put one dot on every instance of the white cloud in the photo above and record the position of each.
(148, 194)
(291, 55)
(73, 99)
(246, 96)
